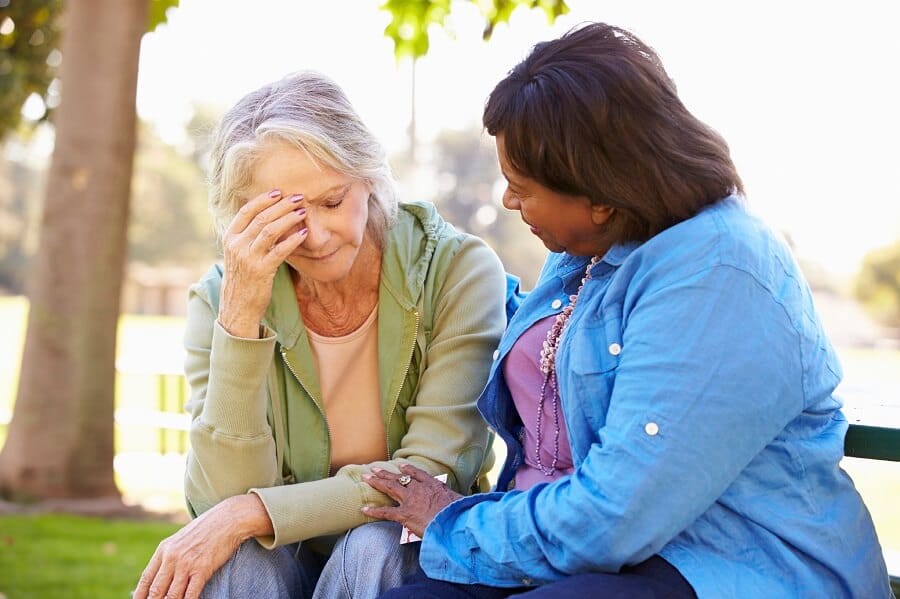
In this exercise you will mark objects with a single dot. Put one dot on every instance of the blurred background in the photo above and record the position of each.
(804, 92)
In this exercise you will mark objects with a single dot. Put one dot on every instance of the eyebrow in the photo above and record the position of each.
(330, 191)
(512, 179)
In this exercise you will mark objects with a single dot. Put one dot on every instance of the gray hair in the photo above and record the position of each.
(310, 111)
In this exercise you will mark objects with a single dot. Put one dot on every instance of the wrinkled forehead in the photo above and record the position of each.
(292, 169)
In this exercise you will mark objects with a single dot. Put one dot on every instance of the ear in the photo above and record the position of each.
(600, 213)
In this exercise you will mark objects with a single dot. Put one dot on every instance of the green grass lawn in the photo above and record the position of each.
(58, 556)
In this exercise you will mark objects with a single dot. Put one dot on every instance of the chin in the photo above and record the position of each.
(330, 270)
(556, 249)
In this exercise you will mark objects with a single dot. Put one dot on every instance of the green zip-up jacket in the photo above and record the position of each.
(258, 424)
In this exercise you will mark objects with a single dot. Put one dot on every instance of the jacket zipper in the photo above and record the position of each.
(318, 407)
(387, 427)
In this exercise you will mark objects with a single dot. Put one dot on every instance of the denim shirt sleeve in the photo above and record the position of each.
(709, 373)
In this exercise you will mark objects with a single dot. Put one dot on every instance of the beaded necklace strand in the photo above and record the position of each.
(548, 369)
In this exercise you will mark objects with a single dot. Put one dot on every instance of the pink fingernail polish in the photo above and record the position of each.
(303, 231)
(300, 211)
(274, 193)
(296, 197)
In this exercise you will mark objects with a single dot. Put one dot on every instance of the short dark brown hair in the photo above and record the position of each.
(594, 113)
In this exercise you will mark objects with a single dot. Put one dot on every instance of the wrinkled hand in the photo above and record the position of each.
(263, 233)
(183, 563)
(417, 503)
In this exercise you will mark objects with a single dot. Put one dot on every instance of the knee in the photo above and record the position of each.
(371, 559)
(254, 571)
(371, 540)
(253, 557)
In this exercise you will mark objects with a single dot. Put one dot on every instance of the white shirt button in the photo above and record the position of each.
(496, 353)
(651, 428)
(615, 349)
(556, 304)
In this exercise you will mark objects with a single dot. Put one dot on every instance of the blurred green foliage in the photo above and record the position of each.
(29, 32)
(878, 284)
(411, 19)
(169, 224)
(30, 57)
(466, 195)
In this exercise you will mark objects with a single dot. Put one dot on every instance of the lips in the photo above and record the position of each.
(321, 256)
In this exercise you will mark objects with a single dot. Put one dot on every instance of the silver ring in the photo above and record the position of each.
(404, 479)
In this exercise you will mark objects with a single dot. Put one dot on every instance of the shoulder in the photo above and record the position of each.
(208, 285)
(421, 221)
(725, 235)
(421, 243)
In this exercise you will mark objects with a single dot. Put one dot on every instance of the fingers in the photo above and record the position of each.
(384, 481)
(177, 588)
(287, 239)
(250, 209)
(417, 473)
(268, 217)
(161, 582)
(263, 207)
(383, 513)
(194, 588)
(274, 224)
(266, 228)
(147, 576)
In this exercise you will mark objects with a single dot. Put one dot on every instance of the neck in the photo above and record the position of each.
(335, 308)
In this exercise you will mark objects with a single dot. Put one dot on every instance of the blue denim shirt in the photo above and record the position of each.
(697, 385)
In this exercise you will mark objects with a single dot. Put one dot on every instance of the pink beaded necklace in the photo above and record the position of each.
(548, 368)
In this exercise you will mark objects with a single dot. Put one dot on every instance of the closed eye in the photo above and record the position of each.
(335, 203)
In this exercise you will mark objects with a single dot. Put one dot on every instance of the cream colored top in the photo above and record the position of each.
(348, 379)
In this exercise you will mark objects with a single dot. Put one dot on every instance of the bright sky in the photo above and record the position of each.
(806, 93)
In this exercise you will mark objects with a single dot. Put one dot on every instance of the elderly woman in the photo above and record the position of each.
(666, 392)
(344, 332)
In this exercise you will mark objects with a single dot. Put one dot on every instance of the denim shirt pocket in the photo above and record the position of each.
(594, 352)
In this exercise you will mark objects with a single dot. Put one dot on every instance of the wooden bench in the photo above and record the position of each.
(874, 443)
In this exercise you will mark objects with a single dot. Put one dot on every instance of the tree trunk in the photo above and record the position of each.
(60, 441)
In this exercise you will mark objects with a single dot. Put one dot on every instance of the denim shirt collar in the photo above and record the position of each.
(613, 258)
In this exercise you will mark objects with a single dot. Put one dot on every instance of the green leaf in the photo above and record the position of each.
(25, 64)
(412, 19)
(158, 13)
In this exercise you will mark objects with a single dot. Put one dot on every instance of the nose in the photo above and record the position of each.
(317, 235)
(510, 201)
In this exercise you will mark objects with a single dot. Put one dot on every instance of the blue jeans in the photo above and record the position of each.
(365, 562)
(654, 578)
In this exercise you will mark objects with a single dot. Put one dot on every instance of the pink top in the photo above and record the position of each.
(522, 372)
(348, 378)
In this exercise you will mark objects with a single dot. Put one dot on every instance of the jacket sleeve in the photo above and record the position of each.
(710, 373)
(445, 434)
(232, 448)
(445, 428)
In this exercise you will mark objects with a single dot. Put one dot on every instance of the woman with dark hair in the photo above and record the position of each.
(666, 392)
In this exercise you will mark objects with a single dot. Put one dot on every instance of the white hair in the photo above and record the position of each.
(310, 111)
